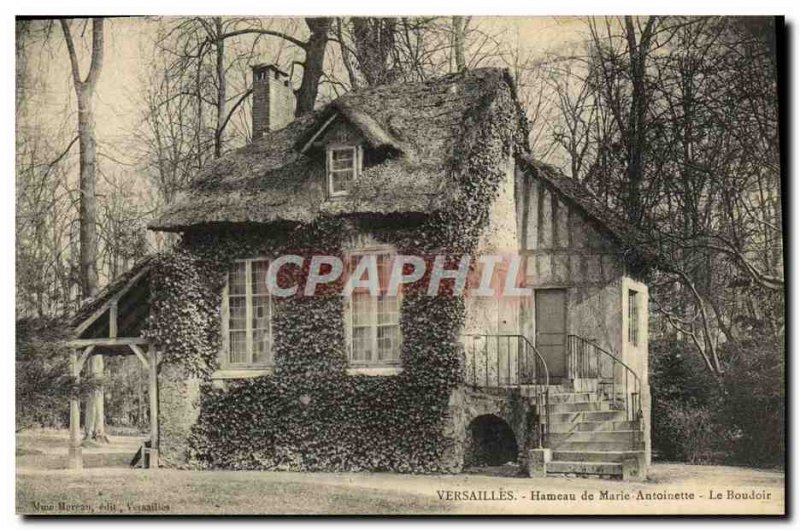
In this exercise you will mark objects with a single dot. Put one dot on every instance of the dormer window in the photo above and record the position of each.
(343, 166)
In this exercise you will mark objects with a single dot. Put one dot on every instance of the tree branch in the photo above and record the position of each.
(252, 31)
(73, 57)
(97, 52)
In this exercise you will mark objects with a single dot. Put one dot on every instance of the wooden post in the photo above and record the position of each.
(75, 450)
(153, 406)
(112, 320)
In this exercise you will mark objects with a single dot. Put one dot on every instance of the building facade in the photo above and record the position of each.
(272, 348)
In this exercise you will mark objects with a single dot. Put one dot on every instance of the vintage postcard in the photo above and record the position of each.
(400, 265)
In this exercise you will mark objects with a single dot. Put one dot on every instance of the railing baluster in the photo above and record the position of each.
(486, 362)
(508, 361)
(531, 368)
(626, 394)
(580, 355)
(497, 351)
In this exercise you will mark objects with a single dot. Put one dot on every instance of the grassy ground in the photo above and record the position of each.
(44, 489)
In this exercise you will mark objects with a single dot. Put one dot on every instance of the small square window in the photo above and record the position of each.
(343, 165)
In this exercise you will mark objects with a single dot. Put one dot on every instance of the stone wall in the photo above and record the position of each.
(178, 410)
(466, 404)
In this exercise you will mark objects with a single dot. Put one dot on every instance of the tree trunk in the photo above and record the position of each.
(315, 59)
(88, 194)
(459, 27)
(637, 118)
(221, 95)
(84, 92)
(374, 40)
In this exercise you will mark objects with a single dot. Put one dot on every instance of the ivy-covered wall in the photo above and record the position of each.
(310, 414)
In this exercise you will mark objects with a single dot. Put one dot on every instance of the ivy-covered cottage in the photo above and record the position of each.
(316, 371)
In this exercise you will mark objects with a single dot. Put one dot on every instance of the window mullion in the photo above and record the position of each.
(374, 327)
(269, 329)
(226, 317)
(349, 327)
(249, 310)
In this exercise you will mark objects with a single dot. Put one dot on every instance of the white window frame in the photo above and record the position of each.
(225, 354)
(356, 170)
(349, 319)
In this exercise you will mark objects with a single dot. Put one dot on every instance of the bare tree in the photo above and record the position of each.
(206, 49)
(460, 25)
(85, 92)
(673, 122)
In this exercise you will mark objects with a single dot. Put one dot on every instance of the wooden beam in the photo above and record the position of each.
(75, 450)
(153, 391)
(112, 319)
(140, 354)
(102, 341)
(85, 355)
(319, 131)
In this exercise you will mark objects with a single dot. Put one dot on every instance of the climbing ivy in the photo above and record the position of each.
(310, 414)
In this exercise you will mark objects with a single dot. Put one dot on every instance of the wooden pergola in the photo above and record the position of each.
(111, 324)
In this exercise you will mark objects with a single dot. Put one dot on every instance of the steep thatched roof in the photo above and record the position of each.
(272, 180)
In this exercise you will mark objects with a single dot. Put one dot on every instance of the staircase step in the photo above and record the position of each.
(593, 436)
(579, 406)
(573, 397)
(591, 456)
(590, 426)
(626, 445)
(586, 468)
(587, 416)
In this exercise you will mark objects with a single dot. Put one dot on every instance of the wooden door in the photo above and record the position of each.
(551, 329)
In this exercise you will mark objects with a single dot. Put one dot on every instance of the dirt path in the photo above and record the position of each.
(107, 484)
(672, 488)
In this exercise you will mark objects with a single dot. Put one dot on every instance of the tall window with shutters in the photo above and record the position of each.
(248, 314)
(373, 321)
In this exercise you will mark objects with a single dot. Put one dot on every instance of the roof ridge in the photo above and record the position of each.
(271, 178)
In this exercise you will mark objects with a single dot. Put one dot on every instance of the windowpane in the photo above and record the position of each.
(388, 343)
(259, 277)
(261, 312)
(342, 165)
(238, 313)
(340, 181)
(362, 344)
(387, 310)
(262, 347)
(384, 271)
(362, 309)
(238, 279)
(340, 155)
(341, 169)
(238, 347)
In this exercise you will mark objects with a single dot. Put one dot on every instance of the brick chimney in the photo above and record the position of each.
(273, 99)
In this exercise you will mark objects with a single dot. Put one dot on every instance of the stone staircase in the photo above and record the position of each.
(589, 436)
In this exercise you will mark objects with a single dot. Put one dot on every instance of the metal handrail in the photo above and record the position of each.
(581, 366)
(523, 366)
